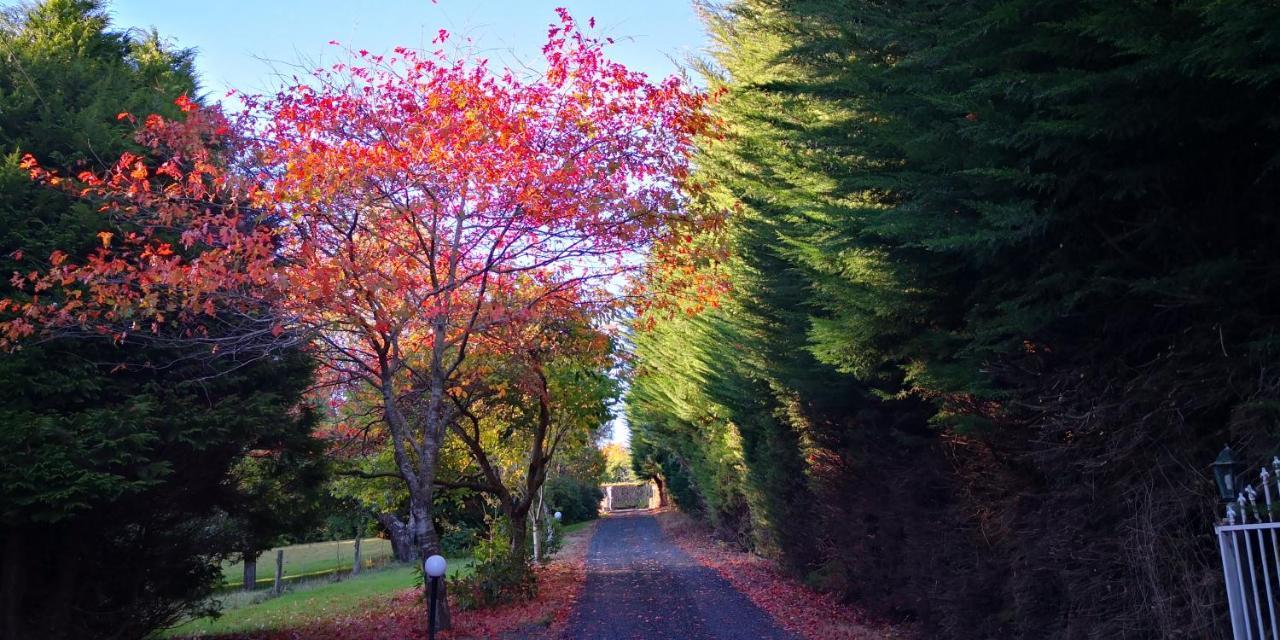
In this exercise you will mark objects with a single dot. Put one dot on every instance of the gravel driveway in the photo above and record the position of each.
(639, 585)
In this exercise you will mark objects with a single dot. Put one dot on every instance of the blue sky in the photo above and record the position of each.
(235, 38)
(237, 41)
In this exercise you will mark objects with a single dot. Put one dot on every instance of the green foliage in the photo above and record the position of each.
(700, 410)
(576, 500)
(552, 546)
(459, 540)
(618, 467)
(65, 80)
(282, 492)
(502, 572)
(381, 494)
(123, 473)
(1007, 268)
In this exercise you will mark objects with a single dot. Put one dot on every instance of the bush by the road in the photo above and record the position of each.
(577, 501)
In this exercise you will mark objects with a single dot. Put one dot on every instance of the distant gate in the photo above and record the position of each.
(1248, 541)
(620, 496)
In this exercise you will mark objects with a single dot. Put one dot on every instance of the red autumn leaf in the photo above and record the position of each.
(185, 103)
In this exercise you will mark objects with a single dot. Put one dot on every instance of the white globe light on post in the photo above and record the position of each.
(434, 567)
(557, 515)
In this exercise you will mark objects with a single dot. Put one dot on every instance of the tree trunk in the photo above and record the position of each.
(428, 541)
(278, 586)
(250, 569)
(401, 544)
(537, 516)
(355, 564)
(416, 442)
(60, 618)
(537, 538)
(519, 531)
(662, 490)
(11, 581)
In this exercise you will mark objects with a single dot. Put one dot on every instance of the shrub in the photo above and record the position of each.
(577, 501)
(551, 546)
(458, 541)
(502, 574)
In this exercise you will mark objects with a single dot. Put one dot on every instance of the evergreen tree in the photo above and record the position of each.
(120, 465)
(1006, 269)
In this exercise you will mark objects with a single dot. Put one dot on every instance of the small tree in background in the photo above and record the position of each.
(618, 463)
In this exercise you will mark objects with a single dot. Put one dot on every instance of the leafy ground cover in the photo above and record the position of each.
(391, 608)
(809, 614)
(318, 557)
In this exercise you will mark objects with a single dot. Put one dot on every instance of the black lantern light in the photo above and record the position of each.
(1224, 471)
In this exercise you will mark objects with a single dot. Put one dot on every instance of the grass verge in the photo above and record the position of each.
(569, 529)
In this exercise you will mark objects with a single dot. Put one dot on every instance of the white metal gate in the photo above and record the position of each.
(1250, 544)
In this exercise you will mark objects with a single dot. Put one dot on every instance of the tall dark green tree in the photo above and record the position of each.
(1007, 269)
(119, 491)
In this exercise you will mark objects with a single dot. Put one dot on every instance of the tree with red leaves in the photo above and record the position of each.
(434, 201)
(394, 211)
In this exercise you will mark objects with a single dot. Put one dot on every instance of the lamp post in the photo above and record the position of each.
(434, 568)
(557, 516)
(1224, 471)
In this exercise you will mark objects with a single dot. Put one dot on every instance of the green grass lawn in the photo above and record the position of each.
(315, 601)
(576, 527)
(312, 558)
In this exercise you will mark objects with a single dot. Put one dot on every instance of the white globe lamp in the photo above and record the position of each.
(435, 566)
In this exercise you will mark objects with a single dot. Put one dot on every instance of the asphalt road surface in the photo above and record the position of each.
(639, 585)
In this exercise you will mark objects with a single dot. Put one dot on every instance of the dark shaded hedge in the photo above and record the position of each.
(577, 501)
(124, 478)
(1005, 278)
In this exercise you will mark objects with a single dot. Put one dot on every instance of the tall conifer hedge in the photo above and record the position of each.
(1005, 278)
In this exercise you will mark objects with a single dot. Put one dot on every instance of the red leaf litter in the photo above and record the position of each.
(807, 613)
(402, 617)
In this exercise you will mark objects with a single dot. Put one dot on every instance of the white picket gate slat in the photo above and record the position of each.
(1251, 585)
